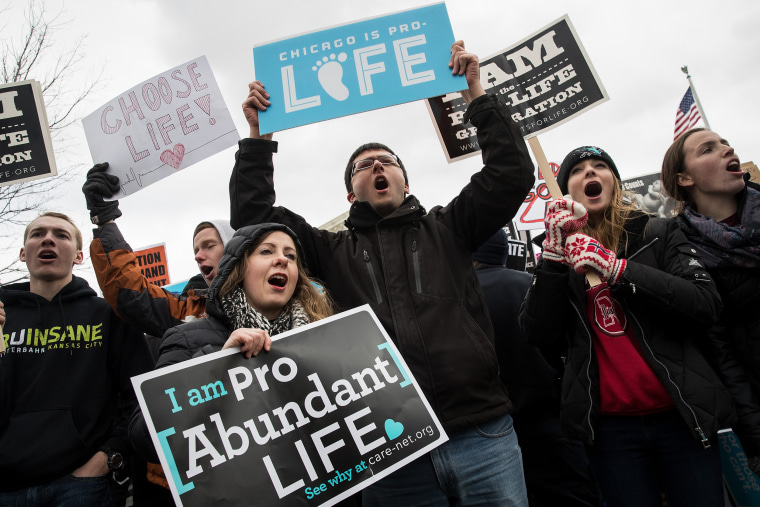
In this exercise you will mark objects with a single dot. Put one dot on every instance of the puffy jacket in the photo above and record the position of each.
(68, 364)
(669, 300)
(736, 341)
(415, 268)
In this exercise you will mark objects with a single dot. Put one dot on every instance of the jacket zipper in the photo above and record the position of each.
(588, 370)
(378, 296)
(637, 252)
(416, 262)
(698, 428)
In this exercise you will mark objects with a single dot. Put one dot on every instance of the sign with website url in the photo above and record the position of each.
(331, 409)
(357, 67)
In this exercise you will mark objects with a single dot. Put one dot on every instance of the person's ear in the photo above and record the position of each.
(684, 180)
(79, 259)
(351, 197)
(406, 188)
(22, 255)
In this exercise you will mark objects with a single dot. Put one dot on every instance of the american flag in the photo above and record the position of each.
(687, 115)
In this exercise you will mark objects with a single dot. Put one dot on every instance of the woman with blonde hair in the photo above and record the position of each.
(719, 212)
(636, 387)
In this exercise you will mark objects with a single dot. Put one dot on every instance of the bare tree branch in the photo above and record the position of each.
(30, 52)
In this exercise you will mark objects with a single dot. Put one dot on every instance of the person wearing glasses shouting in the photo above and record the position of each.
(414, 268)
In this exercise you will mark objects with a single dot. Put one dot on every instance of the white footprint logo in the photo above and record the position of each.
(330, 75)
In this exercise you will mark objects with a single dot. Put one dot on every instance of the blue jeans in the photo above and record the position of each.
(68, 491)
(635, 458)
(477, 466)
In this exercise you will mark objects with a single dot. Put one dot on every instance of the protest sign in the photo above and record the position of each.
(531, 213)
(153, 264)
(356, 67)
(329, 410)
(544, 80)
(161, 126)
(741, 483)
(26, 151)
(646, 191)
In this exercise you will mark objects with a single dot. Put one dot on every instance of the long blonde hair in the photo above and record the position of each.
(610, 230)
(317, 305)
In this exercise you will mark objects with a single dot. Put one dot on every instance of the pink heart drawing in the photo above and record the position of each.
(174, 158)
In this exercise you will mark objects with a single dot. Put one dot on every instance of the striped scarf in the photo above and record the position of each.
(241, 314)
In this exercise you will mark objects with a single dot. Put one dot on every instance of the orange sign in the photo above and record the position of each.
(153, 264)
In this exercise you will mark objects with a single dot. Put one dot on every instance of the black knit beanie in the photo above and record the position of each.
(494, 250)
(576, 156)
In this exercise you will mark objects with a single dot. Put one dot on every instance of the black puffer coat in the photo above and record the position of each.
(736, 339)
(668, 298)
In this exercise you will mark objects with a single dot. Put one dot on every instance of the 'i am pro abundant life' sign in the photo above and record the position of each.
(329, 410)
(357, 67)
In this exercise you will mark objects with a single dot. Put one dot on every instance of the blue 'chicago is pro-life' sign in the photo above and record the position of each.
(357, 67)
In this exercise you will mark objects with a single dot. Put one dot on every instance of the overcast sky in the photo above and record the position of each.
(637, 49)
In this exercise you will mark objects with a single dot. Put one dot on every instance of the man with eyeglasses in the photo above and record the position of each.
(414, 269)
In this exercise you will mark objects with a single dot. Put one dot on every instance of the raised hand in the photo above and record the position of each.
(96, 188)
(563, 217)
(257, 100)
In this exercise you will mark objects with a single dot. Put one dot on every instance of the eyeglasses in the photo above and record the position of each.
(361, 165)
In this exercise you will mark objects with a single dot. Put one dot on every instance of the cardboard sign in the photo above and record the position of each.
(356, 67)
(153, 264)
(545, 80)
(26, 152)
(329, 410)
(161, 126)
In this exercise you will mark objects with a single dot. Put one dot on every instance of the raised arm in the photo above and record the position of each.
(496, 192)
(143, 305)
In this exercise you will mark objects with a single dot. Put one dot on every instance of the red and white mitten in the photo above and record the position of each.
(585, 254)
(563, 216)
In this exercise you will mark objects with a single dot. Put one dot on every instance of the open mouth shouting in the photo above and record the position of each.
(734, 166)
(593, 189)
(47, 255)
(278, 281)
(207, 272)
(381, 184)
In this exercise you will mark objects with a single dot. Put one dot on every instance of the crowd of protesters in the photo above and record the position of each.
(653, 344)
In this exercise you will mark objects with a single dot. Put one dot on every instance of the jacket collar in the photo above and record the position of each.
(363, 216)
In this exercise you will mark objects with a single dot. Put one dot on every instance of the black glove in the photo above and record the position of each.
(97, 186)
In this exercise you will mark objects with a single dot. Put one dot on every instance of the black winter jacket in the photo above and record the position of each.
(668, 298)
(68, 364)
(415, 268)
(736, 340)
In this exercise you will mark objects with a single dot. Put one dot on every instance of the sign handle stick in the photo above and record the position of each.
(551, 184)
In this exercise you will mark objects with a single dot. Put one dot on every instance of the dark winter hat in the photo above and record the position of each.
(576, 156)
(494, 250)
(365, 147)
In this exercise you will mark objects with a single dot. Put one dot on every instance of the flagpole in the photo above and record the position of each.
(685, 70)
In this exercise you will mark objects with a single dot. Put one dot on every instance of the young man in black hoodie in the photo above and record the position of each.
(67, 368)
